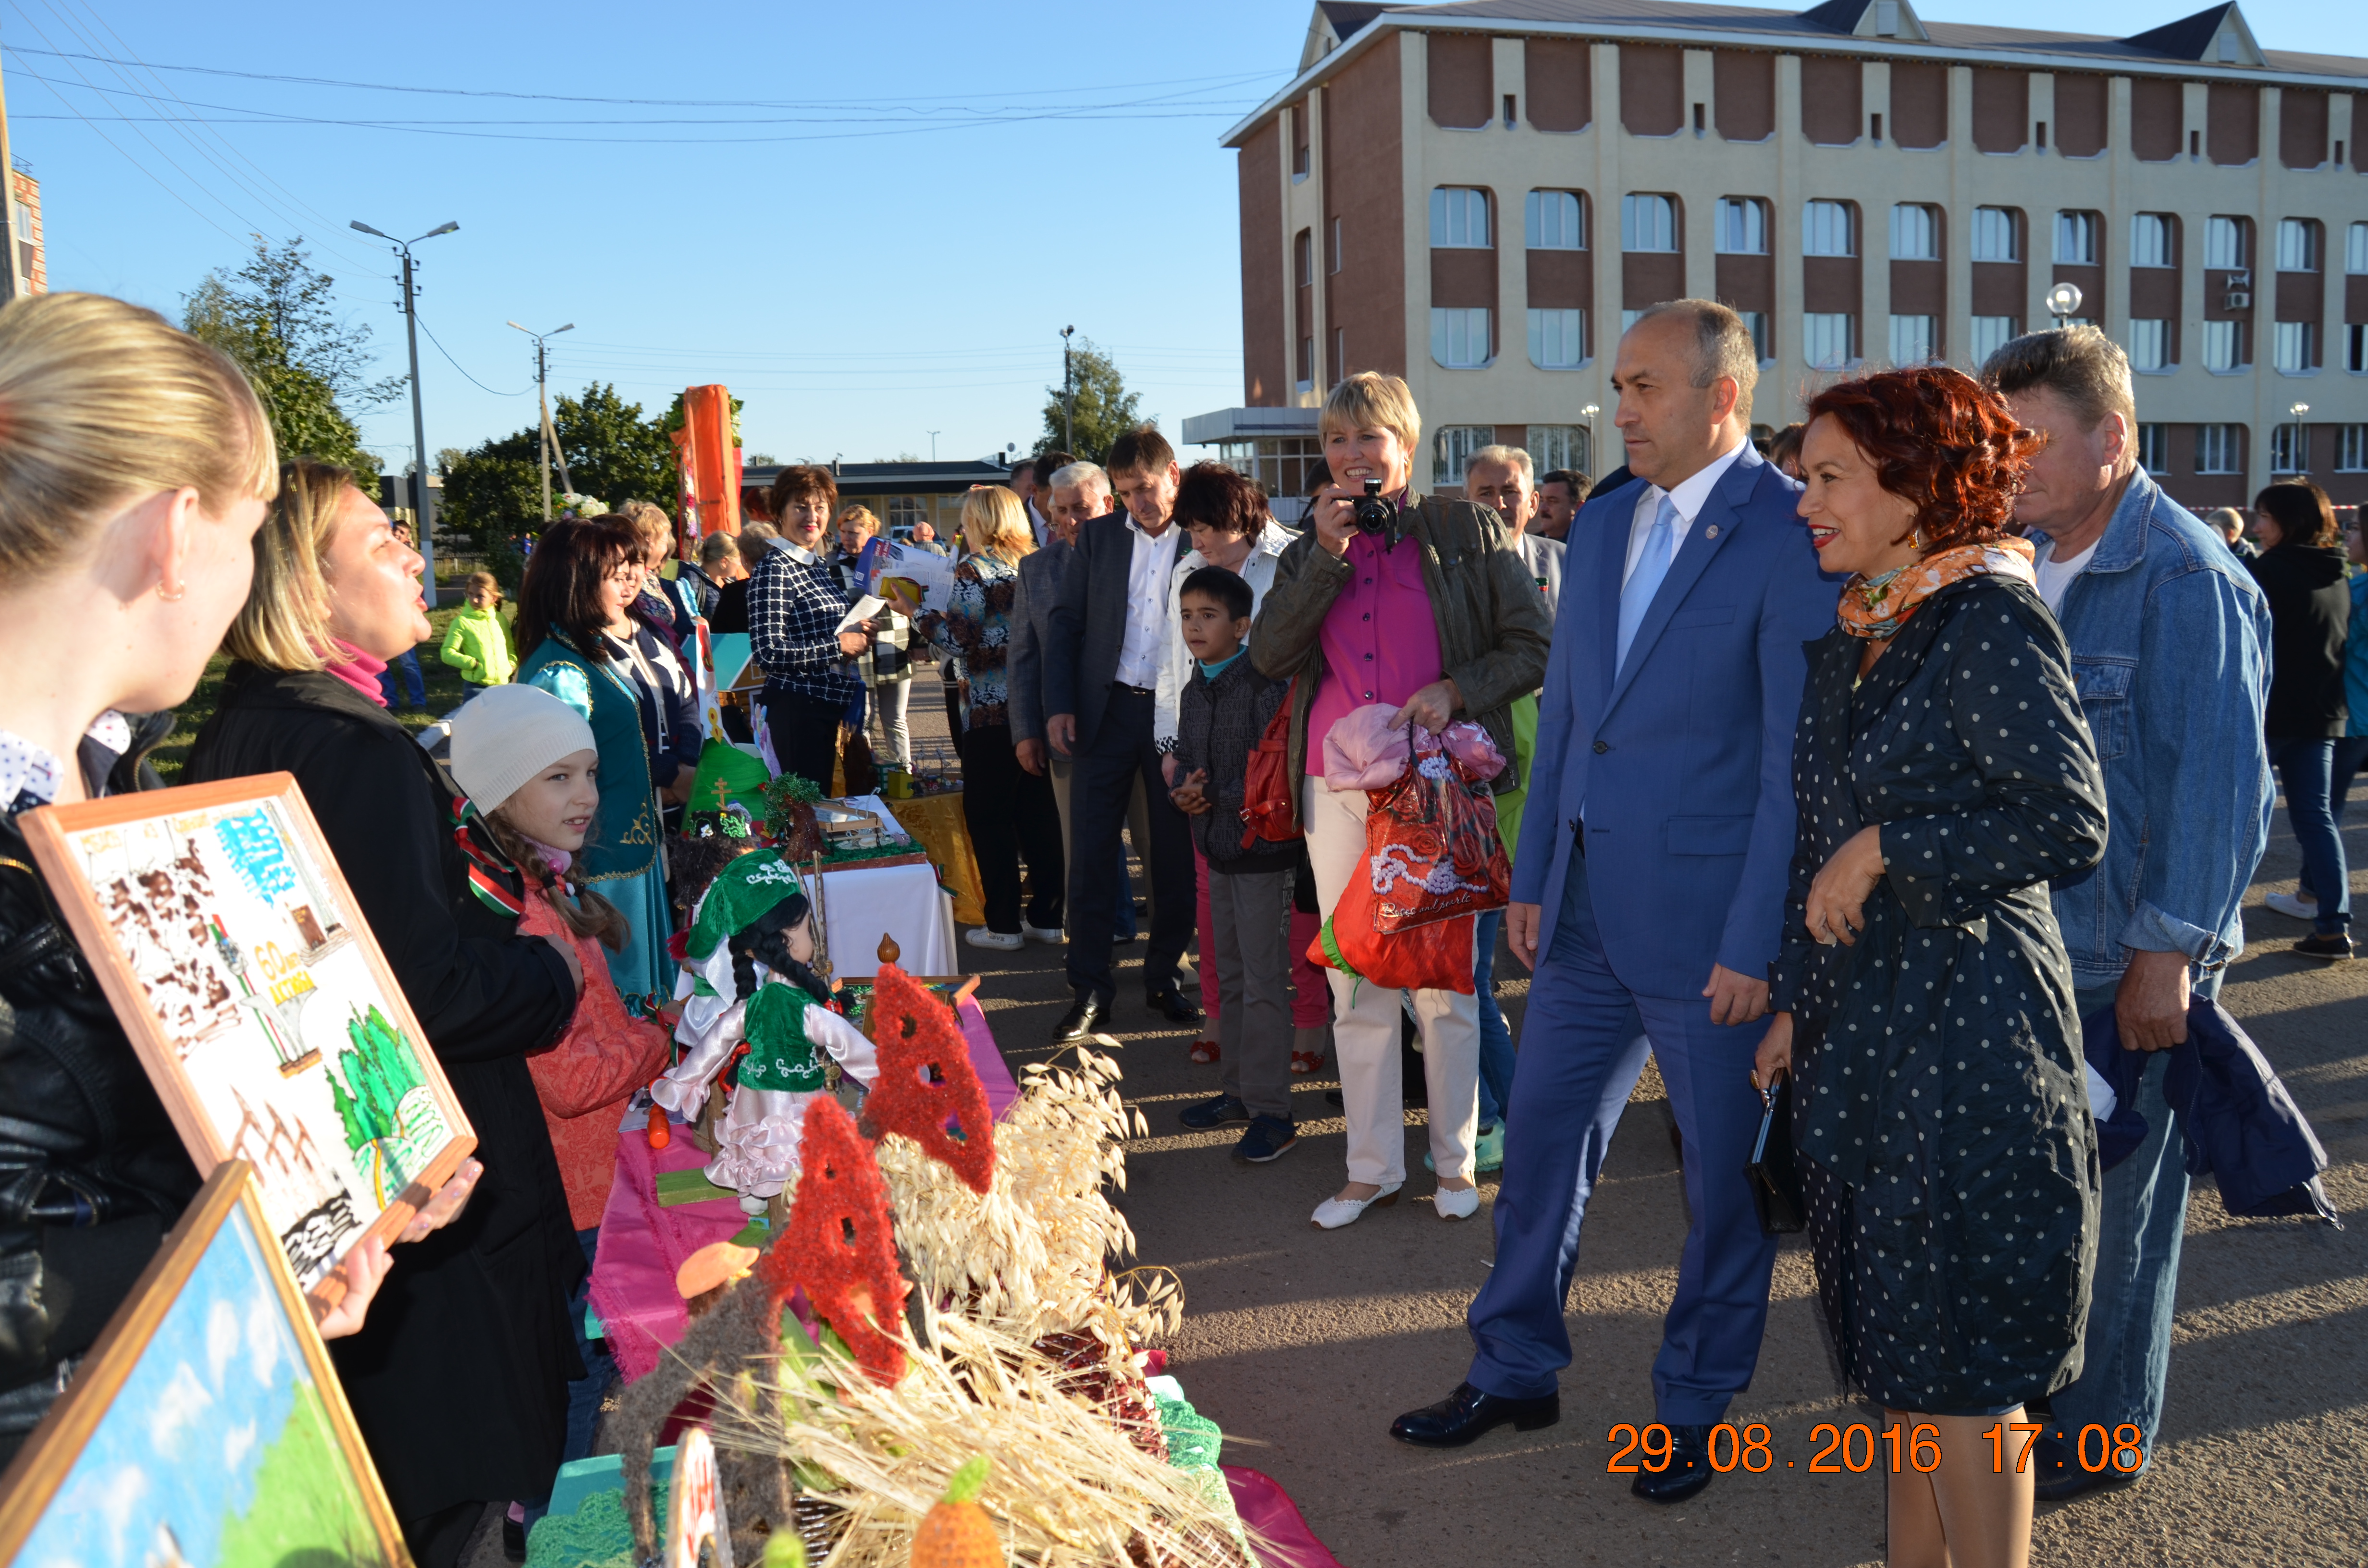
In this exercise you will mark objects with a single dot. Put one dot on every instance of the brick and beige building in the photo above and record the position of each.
(1477, 196)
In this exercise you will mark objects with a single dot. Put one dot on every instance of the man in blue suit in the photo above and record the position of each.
(1651, 876)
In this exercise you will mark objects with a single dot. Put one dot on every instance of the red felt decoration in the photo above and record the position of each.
(926, 1078)
(841, 1243)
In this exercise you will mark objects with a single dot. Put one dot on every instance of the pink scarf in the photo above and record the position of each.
(358, 670)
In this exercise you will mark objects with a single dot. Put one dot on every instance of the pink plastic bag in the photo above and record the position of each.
(1361, 751)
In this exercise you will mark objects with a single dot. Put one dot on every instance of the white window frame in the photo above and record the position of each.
(2224, 347)
(1461, 336)
(2297, 246)
(1460, 217)
(2150, 244)
(2154, 448)
(1557, 338)
(2356, 348)
(2289, 447)
(2075, 237)
(1742, 228)
(1451, 448)
(2351, 449)
(1994, 235)
(1756, 324)
(2219, 448)
(904, 511)
(1992, 334)
(2149, 344)
(1829, 227)
(1825, 339)
(1914, 339)
(1915, 231)
(1553, 220)
(1333, 258)
(1556, 446)
(2355, 249)
(1303, 259)
(1648, 223)
(2224, 243)
(2291, 346)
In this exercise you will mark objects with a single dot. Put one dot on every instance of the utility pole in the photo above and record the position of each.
(422, 507)
(11, 284)
(1068, 396)
(550, 442)
(933, 446)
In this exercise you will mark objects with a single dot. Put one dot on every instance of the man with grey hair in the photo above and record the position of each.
(2169, 641)
(2229, 524)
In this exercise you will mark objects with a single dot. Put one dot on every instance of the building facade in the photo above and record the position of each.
(25, 229)
(1479, 195)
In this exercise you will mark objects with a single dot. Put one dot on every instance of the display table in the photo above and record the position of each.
(937, 821)
(644, 1243)
(899, 898)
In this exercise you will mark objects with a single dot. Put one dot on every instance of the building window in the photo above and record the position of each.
(1557, 446)
(904, 511)
(2292, 344)
(2151, 241)
(1648, 223)
(1827, 339)
(1826, 229)
(1279, 464)
(1452, 450)
(2154, 448)
(1756, 324)
(1557, 339)
(1913, 339)
(1742, 226)
(1459, 337)
(2297, 246)
(2076, 239)
(1458, 218)
(2351, 449)
(1915, 233)
(2224, 243)
(2219, 448)
(1992, 334)
(2355, 249)
(1994, 235)
(1332, 258)
(1552, 219)
(2149, 345)
(1304, 258)
(2224, 346)
(1307, 364)
(2289, 447)
(2355, 349)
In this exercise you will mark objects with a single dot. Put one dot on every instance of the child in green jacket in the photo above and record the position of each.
(476, 643)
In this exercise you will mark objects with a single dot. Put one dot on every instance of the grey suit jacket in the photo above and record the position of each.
(1088, 623)
(1032, 617)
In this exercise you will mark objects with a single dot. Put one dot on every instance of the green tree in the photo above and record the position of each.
(1103, 409)
(494, 490)
(277, 317)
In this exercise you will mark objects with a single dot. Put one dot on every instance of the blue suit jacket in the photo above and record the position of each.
(1682, 760)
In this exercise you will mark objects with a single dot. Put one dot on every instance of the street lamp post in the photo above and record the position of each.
(933, 445)
(2300, 451)
(1068, 396)
(1589, 414)
(422, 508)
(549, 441)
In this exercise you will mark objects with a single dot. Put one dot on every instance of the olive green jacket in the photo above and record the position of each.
(1493, 627)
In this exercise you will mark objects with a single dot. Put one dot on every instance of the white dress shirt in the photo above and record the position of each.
(1147, 573)
(1176, 668)
(1687, 497)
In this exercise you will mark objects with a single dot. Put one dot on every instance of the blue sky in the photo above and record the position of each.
(882, 238)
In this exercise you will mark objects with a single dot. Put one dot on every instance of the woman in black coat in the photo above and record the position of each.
(1944, 775)
(459, 1381)
(2303, 574)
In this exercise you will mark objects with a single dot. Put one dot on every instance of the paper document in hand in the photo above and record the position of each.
(865, 608)
(918, 574)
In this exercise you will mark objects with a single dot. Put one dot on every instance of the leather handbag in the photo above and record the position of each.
(1266, 807)
(1775, 1179)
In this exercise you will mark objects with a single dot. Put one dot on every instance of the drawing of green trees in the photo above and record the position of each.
(376, 1074)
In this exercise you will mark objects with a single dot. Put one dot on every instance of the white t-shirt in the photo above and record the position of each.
(2055, 575)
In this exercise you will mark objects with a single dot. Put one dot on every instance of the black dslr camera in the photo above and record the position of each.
(1376, 514)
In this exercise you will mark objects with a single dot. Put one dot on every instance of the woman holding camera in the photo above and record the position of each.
(1422, 603)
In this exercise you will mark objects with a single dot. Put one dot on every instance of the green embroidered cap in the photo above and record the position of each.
(745, 888)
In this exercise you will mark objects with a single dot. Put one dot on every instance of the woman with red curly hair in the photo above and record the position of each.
(1944, 776)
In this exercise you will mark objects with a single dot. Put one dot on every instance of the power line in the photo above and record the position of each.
(455, 363)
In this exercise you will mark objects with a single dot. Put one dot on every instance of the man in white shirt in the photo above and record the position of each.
(1107, 633)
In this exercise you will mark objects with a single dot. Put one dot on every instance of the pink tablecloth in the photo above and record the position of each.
(1267, 1508)
(644, 1243)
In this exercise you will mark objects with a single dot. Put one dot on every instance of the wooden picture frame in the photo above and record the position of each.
(207, 1424)
(219, 925)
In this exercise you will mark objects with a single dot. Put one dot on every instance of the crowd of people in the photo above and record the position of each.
(1881, 771)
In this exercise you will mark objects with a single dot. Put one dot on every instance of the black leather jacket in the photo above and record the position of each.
(92, 1173)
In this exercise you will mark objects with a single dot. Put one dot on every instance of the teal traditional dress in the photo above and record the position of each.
(621, 860)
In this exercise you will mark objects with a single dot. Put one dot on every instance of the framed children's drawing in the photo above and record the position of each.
(206, 1425)
(235, 955)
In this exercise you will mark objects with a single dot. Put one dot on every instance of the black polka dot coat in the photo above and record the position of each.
(1939, 1112)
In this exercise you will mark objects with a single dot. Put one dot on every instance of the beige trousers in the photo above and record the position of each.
(1365, 1024)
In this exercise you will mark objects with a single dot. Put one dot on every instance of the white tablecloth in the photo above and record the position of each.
(860, 902)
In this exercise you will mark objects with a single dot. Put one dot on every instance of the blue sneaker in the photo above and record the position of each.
(1268, 1138)
(1487, 1152)
(1214, 1112)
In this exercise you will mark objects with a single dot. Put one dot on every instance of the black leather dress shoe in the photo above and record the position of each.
(1466, 1414)
(1173, 1005)
(1688, 1470)
(2059, 1477)
(1080, 1020)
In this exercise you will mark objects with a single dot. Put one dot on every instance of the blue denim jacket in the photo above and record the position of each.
(2171, 655)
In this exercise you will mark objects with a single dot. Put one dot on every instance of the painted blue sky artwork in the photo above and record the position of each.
(216, 1450)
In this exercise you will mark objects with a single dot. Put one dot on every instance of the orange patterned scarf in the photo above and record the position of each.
(1878, 608)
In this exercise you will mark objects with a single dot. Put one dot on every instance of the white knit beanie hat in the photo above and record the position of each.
(507, 735)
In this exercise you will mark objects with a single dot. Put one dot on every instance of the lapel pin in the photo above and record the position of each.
(1711, 532)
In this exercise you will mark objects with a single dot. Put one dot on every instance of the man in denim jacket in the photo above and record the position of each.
(2170, 642)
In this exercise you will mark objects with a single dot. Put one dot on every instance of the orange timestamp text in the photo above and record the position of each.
(1858, 1447)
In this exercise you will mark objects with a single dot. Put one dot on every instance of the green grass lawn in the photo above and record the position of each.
(444, 693)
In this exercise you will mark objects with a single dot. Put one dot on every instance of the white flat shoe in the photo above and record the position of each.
(1456, 1202)
(1051, 935)
(1335, 1212)
(1001, 941)
(2291, 907)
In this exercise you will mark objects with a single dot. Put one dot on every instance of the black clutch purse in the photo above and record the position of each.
(1775, 1180)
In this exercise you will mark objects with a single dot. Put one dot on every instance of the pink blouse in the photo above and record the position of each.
(1380, 639)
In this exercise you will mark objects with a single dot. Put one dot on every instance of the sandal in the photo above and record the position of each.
(1204, 1052)
(1306, 1062)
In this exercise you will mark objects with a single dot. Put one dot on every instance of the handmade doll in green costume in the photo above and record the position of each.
(748, 981)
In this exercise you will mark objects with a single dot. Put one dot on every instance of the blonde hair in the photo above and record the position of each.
(656, 527)
(996, 523)
(284, 625)
(101, 402)
(851, 514)
(1372, 400)
(486, 580)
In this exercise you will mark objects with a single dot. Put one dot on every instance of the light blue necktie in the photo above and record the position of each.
(1636, 596)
